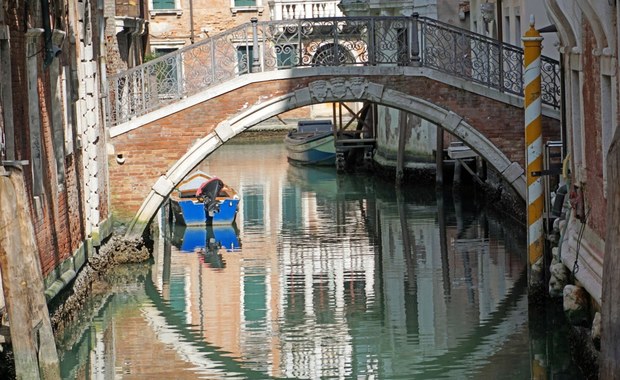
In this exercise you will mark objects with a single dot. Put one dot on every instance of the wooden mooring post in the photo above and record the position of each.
(34, 348)
(532, 42)
(439, 158)
(610, 308)
(403, 134)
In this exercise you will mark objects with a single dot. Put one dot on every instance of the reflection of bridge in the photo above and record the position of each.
(169, 114)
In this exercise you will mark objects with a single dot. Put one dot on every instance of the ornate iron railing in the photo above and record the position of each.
(357, 41)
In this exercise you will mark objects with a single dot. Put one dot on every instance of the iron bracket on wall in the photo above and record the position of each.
(546, 172)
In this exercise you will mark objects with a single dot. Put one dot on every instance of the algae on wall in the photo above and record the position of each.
(420, 142)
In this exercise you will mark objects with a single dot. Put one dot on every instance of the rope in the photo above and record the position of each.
(579, 237)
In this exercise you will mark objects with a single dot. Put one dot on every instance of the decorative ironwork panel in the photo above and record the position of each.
(390, 40)
(233, 53)
(462, 54)
(282, 44)
(550, 82)
(512, 69)
(198, 68)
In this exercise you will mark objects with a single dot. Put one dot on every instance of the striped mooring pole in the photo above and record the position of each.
(532, 42)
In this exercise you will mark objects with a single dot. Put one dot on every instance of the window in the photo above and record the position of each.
(245, 56)
(167, 72)
(507, 30)
(286, 56)
(163, 4)
(246, 6)
(245, 3)
(165, 7)
(517, 29)
(332, 55)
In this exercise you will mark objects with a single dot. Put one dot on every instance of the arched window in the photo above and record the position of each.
(332, 55)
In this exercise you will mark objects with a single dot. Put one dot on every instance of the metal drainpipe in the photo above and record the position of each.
(47, 33)
(191, 21)
(500, 38)
(500, 25)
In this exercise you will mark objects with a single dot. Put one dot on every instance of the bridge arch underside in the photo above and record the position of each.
(158, 155)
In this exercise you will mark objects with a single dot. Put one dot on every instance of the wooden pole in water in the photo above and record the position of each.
(439, 158)
(532, 42)
(610, 308)
(402, 142)
(31, 331)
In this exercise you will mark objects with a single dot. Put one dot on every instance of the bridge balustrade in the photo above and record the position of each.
(297, 9)
(340, 41)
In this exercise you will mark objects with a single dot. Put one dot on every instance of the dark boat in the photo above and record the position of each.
(311, 143)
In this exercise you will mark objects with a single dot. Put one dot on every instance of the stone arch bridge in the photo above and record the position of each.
(166, 116)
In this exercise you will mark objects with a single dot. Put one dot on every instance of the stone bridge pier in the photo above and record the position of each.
(151, 154)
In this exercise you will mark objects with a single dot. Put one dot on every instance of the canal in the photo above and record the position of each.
(322, 276)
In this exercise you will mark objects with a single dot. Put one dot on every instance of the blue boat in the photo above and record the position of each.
(311, 143)
(202, 199)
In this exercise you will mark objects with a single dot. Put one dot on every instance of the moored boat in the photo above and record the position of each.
(203, 199)
(311, 143)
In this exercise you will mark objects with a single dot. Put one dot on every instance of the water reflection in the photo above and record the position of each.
(337, 277)
(207, 241)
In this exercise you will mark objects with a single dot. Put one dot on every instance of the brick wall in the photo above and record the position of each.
(58, 213)
(152, 149)
(591, 93)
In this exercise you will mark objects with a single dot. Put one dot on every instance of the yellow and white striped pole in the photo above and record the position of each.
(534, 146)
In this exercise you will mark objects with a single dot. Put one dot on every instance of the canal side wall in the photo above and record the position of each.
(587, 234)
(52, 122)
(421, 138)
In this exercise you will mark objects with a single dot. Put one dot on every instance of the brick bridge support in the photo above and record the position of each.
(152, 154)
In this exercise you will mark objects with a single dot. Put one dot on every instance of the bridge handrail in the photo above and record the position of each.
(512, 56)
(333, 41)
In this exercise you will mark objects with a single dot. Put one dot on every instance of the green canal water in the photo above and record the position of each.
(323, 276)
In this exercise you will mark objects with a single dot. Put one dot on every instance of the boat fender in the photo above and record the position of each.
(558, 202)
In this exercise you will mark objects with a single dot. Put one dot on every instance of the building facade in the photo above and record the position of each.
(52, 117)
(589, 34)
(125, 34)
(507, 21)
(174, 24)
